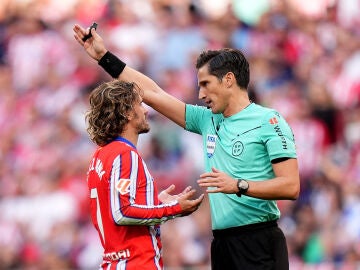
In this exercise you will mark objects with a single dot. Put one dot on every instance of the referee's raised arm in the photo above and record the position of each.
(153, 95)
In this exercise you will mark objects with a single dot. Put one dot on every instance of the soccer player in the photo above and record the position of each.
(125, 207)
(249, 153)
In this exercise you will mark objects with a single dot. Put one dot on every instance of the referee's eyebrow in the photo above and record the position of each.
(203, 82)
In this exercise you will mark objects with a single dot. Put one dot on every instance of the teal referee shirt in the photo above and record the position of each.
(242, 146)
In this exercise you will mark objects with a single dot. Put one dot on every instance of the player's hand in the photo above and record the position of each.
(218, 181)
(165, 196)
(94, 45)
(189, 205)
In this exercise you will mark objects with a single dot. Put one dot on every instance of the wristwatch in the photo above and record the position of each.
(243, 187)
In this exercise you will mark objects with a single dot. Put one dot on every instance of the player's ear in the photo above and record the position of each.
(129, 116)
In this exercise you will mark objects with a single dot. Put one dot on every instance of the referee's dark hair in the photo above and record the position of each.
(226, 60)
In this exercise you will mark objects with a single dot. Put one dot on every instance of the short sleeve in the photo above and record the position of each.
(278, 136)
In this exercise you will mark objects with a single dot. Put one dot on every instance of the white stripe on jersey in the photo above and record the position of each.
(149, 186)
(118, 217)
(155, 246)
(133, 176)
(114, 196)
(121, 265)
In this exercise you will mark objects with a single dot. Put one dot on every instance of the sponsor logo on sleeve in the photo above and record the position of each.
(123, 186)
(275, 121)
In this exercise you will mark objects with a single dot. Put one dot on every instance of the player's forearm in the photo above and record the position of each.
(147, 215)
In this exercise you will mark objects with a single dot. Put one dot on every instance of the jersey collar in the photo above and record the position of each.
(122, 139)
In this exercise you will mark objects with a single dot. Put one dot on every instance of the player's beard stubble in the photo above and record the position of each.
(143, 125)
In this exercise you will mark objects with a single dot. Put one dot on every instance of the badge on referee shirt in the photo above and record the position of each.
(210, 145)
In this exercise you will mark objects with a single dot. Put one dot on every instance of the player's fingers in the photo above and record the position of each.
(189, 194)
(197, 202)
(186, 190)
(200, 199)
(170, 189)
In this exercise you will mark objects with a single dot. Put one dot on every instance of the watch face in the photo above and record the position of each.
(243, 185)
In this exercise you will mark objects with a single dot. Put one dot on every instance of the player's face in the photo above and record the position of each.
(212, 91)
(140, 118)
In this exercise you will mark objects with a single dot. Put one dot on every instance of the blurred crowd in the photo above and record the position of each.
(304, 61)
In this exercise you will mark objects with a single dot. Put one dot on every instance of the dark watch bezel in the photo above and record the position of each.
(241, 190)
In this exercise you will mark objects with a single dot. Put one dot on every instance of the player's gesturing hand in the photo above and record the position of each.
(187, 204)
(218, 181)
(165, 196)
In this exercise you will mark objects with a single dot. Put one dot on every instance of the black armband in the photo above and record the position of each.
(111, 64)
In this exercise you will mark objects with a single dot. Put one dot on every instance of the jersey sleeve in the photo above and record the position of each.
(133, 194)
(278, 136)
(194, 116)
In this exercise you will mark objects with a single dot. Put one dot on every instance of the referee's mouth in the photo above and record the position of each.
(208, 104)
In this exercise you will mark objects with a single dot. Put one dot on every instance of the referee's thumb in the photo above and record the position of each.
(94, 34)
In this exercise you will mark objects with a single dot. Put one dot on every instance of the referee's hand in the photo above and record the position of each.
(94, 45)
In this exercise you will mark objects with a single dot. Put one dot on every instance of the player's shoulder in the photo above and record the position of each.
(118, 148)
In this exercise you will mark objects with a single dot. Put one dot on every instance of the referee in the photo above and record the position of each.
(249, 153)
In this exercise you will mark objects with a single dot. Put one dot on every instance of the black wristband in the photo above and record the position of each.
(111, 64)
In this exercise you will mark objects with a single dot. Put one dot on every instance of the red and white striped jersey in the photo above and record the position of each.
(125, 208)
